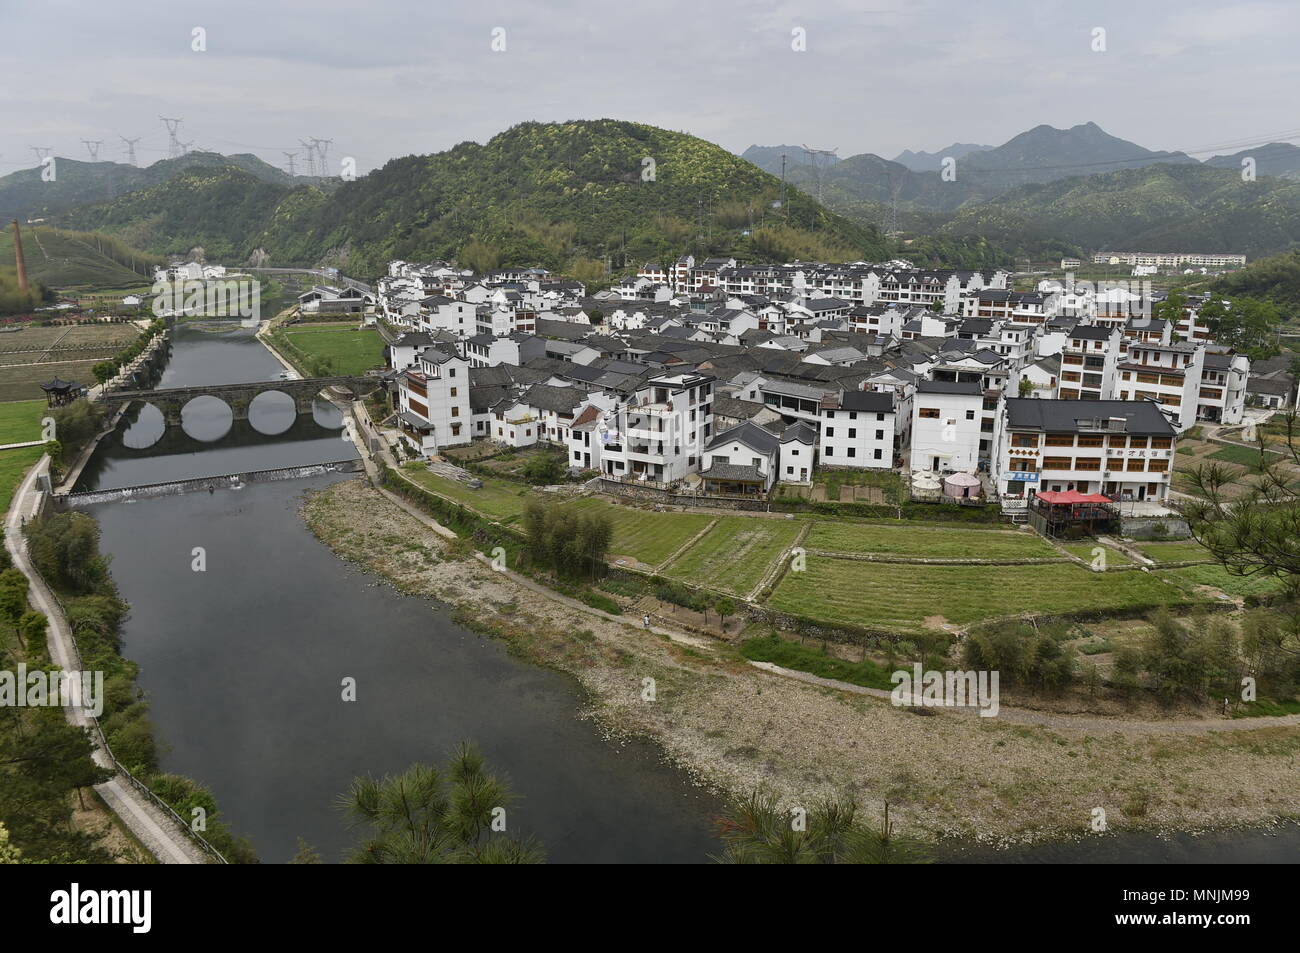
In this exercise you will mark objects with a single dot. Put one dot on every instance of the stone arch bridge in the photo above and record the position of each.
(171, 400)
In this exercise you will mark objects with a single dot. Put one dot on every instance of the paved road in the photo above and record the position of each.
(151, 826)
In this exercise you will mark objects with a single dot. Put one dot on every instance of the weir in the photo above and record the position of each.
(224, 481)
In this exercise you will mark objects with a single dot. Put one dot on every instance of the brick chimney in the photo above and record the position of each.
(18, 258)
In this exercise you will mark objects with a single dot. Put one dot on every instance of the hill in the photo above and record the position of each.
(1189, 207)
(78, 261)
(932, 161)
(24, 195)
(768, 158)
(562, 194)
(1275, 279)
(1276, 158)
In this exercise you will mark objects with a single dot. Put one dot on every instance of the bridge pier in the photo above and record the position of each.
(304, 403)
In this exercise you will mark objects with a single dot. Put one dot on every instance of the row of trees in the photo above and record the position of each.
(568, 542)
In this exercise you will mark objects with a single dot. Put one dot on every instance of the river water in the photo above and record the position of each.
(243, 662)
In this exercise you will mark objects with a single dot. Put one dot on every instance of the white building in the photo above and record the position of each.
(947, 426)
(857, 430)
(433, 401)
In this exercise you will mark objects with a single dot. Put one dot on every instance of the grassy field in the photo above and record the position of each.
(20, 420)
(23, 382)
(903, 597)
(1189, 577)
(496, 499)
(13, 464)
(645, 535)
(926, 541)
(352, 351)
(1242, 456)
(735, 554)
(33, 354)
(1175, 552)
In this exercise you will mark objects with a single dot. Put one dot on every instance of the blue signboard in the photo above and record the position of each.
(1023, 477)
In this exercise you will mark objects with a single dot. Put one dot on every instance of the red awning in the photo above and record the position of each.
(1072, 496)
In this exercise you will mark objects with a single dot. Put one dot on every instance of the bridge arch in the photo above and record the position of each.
(146, 429)
(272, 412)
(207, 418)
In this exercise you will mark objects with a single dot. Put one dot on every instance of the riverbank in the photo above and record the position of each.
(736, 728)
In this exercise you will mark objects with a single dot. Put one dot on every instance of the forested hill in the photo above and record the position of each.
(566, 195)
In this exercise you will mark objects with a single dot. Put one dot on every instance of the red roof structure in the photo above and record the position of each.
(1071, 496)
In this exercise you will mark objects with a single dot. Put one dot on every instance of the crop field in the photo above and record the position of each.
(33, 354)
(646, 536)
(496, 499)
(735, 554)
(1214, 575)
(912, 597)
(353, 351)
(1175, 552)
(926, 541)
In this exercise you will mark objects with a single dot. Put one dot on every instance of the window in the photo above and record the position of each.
(1087, 463)
(757, 461)
(789, 469)
(1089, 440)
(853, 452)
(880, 435)
(1157, 466)
(1056, 463)
(880, 416)
(1161, 443)
(931, 413)
(455, 430)
(794, 453)
(830, 415)
(453, 392)
(970, 415)
(830, 431)
(1059, 440)
(877, 454)
(1024, 440)
(452, 372)
(455, 411)
(1137, 464)
(1137, 442)
(853, 432)
(853, 415)
(830, 451)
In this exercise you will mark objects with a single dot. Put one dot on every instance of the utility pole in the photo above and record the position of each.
(173, 143)
(290, 156)
(92, 146)
(130, 148)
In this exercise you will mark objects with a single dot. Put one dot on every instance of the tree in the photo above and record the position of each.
(756, 831)
(306, 854)
(724, 607)
(544, 469)
(1026, 387)
(9, 854)
(428, 816)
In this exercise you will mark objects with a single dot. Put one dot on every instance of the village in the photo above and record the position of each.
(724, 385)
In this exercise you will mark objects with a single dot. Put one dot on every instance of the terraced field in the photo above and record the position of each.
(1175, 552)
(1189, 577)
(646, 536)
(1087, 551)
(912, 597)
(926, 541)
(736, 554)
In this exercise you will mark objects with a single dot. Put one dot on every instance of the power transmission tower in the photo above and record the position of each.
(173, 144)
(322, 148)
(310, 148)
(784, 213)
(42, 152)
(815, 159)
(186, 146)
(290, 156)
(130, 148)
(92, 146)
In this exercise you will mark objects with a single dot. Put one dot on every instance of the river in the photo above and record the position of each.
(243, 662)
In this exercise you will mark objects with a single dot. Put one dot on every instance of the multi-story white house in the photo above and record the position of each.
(1168, 374)
(1088, 360)
(947, 420)
(433, 408)
(858, 430)
(1121, 448)
(659, 432)
(741, 461)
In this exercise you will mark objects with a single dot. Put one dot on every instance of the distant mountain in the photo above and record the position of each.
(931, 161)
(1276, 158)
(768, 158)
(1045, 154)
(24, 194)
(1184, 207)
(560, 194)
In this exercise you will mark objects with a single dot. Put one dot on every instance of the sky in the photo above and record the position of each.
(387, 78)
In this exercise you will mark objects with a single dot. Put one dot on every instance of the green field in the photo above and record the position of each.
(20, 420)
(353, 351)
(1215, 575)
(66, 261)
(645, 535)
(902, 597)
(13, 464)
(735, 554)
(496, 499)
(1242, 456)
(32, 354)
(926, 541)
(1179, 551)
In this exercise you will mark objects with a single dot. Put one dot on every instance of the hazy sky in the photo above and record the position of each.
(386, 78)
